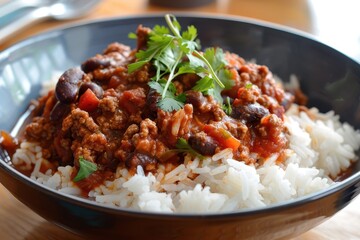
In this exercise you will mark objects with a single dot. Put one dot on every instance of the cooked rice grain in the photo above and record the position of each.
(320, 147)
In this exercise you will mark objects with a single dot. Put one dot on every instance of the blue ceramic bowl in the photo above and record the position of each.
(329, 78)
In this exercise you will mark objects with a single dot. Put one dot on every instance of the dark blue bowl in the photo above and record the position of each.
(329, 78)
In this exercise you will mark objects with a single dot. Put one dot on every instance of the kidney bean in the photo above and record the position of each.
(202, 144)
(195, 98)
(95, 63)
(251, 113)
(151, 108)
(59, 111)
(68, 84)
(96, 89)
(144, 160)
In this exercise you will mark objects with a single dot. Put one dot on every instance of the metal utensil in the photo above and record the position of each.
(13, 5)
(58, 10)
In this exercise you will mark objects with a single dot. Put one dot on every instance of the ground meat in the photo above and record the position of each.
(128, 128)
(95, 141)
(90, 147)
(141, 75)
(109, 104)
(126, 145)
(79, 123)
(115, 55)
(147, 139)
(39, 130)
(112, 119)
(118, 48)
(87, 140)
(237, 128)
(142, 36)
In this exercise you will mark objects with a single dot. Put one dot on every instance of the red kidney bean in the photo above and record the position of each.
(202, 144)
(195, 98)
(68, 84)
(251, 113)
(95, 63)
(59, 111)
(151, 108)
(136, 158)
(97, 90)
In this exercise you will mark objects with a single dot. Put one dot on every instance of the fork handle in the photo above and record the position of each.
(35, 15)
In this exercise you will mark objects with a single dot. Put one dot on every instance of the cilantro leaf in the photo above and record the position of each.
(86, 168)
(161, 30)
(170, 104)
(248, 86)
(216, 58)
(204, 84)
(185, 68)
(136, 65)
(227, 106)
(225, 76)
(174, 52)
(196, 63)
(132, 35)
(183, 146)
(215, 93)
(156, 86)
(190, 34)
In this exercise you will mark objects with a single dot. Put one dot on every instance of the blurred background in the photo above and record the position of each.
(332, 21)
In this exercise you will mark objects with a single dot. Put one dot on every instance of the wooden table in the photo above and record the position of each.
(331, 23)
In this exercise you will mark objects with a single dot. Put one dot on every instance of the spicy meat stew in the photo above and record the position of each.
(103, 113)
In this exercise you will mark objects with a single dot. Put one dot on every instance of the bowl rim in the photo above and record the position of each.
(82, 202)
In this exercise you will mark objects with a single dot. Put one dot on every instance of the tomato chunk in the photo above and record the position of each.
(132, 100)
(88, 101)
(223, 137)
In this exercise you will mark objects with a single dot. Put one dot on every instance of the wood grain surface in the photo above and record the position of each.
(313, 16)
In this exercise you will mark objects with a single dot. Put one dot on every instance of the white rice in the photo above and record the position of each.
(320, 147)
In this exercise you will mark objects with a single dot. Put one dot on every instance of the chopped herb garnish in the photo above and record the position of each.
(174, 52)
(204, 85)
(227, 106)
(132, 35)
(248, 86)
(183, 146)
(86, 168)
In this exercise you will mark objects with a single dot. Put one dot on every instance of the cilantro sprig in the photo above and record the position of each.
(86, 168)
(227, 106)
(174, 52)
(183, 146)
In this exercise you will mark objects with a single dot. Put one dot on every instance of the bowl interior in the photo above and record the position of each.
(330, 79)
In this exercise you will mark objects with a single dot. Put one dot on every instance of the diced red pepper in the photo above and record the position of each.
(88, 101)
(223, 137)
